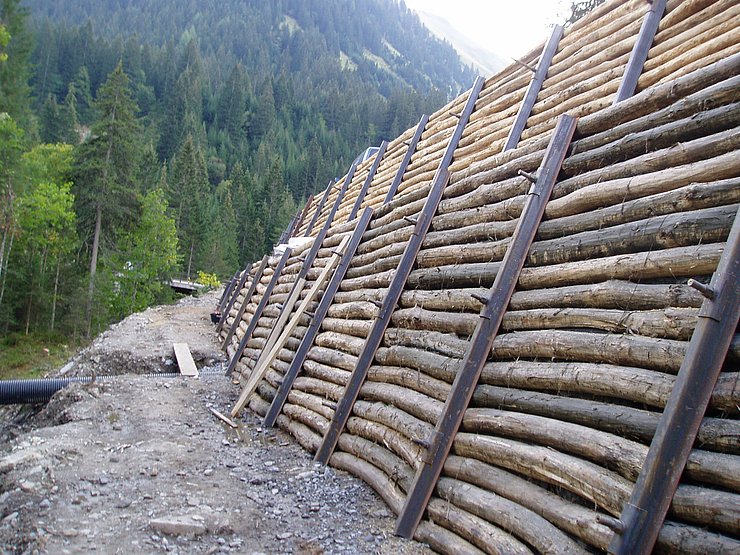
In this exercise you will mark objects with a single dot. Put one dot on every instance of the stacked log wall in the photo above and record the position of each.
(587, 354)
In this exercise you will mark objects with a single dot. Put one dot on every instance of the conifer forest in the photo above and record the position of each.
(149, 139)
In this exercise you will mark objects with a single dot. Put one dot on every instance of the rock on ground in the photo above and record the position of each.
(141, 465)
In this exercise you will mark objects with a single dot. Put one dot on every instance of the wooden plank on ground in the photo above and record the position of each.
(185, 360)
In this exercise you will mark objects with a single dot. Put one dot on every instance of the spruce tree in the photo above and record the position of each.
(106, 166)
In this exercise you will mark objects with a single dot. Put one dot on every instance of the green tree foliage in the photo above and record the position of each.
(204, 143)
(11, 148)
(15, 92)
(105, 169)
(579, 9)
(188, 196)
(45, 238)
(48, 237)
(4, 39)
(148, 256)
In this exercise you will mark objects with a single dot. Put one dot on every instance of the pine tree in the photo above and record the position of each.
(188, 196)
(106, 165)
(148, 256)
(15, 93)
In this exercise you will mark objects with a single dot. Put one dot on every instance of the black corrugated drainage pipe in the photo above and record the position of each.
(18, 392)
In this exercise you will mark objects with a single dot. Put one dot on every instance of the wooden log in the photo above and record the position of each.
(346, 343)
(699, 260)
(671, 323)
(390, 438)
(347, 327)
(603, 380)
(621, 455)
(489, 538)
(372, 475)
(684, 199)
(306, 437)
(444, 344)
(312, 420)
(318, 387)
(612, 294)
(715, 433)
(658, 136)
(664, 355)
(707, 507)
(605, 489)
(674, 323)
(440, 367)
(568, 516)
(414, 380)
(444, 541)
(679, 60)
(645, 103)
(353, 310)
(333, 358)
(705, 159)
(378, 456)
(417, 404)
(508, 515)
(575, 519)
(681, 110)
(326, 373)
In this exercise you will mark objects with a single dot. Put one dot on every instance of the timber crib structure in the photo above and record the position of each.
(518, 321)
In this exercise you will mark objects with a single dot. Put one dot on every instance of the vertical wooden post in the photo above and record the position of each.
(490, 319)
(535, 85)
(643, 515)
(640, 51)
(439, 182)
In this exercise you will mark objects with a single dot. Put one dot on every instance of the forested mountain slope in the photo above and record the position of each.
(146, 113)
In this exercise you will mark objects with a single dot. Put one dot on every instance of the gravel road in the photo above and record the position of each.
(141, 465)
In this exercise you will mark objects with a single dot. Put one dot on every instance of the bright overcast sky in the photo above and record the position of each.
(508, 28)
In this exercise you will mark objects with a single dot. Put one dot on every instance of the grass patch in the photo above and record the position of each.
(32, 356)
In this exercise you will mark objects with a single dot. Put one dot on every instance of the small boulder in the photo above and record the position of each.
(179, 525)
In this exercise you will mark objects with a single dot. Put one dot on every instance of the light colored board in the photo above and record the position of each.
(185, 360)
(261, 370)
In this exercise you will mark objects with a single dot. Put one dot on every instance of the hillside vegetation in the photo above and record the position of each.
(128, 130)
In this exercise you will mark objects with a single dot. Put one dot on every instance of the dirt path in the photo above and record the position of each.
(140, 465)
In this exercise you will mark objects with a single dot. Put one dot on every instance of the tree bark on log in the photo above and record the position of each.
(716, 434)
(519, 521)
(607, 490)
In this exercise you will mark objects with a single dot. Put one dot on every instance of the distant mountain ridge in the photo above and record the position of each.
(480, 58)
(385, 42)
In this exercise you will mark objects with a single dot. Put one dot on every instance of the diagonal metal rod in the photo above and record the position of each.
(643, 515)
(470, 368)
(232, 298)
(257, 313)
(319, 208)
(639, 53)
(302, 216)
(368, 180)
(406, 159)
(530, 97)
(313, 329)
(405, 265)
(227, 294)
(252, 288)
